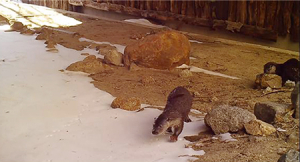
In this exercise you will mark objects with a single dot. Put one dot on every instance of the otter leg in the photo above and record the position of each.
(177, 130)
(187, 119)
(169, 130)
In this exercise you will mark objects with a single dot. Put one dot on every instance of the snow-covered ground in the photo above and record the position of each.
(47, 115)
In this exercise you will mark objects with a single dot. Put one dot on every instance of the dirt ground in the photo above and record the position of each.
(153, 86)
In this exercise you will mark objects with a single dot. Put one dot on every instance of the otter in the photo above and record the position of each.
(176, 112)
(288, 70)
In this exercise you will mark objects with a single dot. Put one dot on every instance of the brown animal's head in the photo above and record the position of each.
(160, 125)
(270, 68)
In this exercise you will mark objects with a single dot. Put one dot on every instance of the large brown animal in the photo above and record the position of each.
(175, 113)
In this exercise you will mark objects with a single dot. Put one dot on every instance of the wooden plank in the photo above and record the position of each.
(252, 12)
(232, 11)
(183, 7)
(270, 14)
(191, 8)
(222, 10)
(241, 12)
(295, 22)
(261, 12)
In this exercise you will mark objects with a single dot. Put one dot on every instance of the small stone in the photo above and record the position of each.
(289, 84)
(85, 54)
(196, 94)
(16, 25)
(185, 73)
(89, 65)
(105, 49)
(270, 112)
(295, 100)
(268, 80)
(258, 127)
(290, 156)
(53, 50)
(281, 151)
(214, 99)
(146, 80)
(130, 104)
(26, 31)
(226, 118)
(252, 138)
(134, 67)
(50, 44)
(293, 138)
(114, 57)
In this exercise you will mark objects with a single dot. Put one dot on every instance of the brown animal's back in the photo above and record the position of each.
(179, 103)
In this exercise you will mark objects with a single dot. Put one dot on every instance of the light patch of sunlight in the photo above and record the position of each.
(35, 16)
(5, 27)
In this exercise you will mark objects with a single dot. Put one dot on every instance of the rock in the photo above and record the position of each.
(50, 44)
(130, 104)
(290, 156)
(227, 119)
(252, 138)
(89, 65)
(134, 67)
(258, 127)
(85, 54)
(185, 73)
(105, 49)
(146, 80)
(293, 138)
(270, 112)
(44, 34)
(53, 50)
(268, 80)
(114, 57)
(26, 31)
(18, 26)
(164, 50)
(289, 84)
(295, 100)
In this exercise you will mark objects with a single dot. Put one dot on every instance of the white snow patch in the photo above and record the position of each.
(5, 27)
(48, 115)
(120, 48)
(281, 130)
(226, 137)
(196, 69)
(195, 41)
(144, 22)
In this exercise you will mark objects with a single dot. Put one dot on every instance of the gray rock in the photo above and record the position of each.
(268, 80)
(227, 119)
(269, 112)
(295, 100)
(290, 156)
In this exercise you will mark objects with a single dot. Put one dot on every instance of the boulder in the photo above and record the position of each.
(227, 119)
(295, 100)
(164, 50)
(18, 26)
(270, 112)
(114, 57)
(258, 127)
(89, 65)
(290, 156)
(130, 104)
(268, 80)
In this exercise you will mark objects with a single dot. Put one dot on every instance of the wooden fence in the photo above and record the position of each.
(264, 19)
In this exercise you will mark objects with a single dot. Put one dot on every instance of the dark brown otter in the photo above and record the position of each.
(175, 113)
(288, 70)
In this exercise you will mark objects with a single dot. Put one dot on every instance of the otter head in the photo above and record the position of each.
(160, 125)
(270, 68)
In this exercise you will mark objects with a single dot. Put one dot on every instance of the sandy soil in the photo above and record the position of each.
(153, 86)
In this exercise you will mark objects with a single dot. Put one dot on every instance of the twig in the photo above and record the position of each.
(275, 91)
